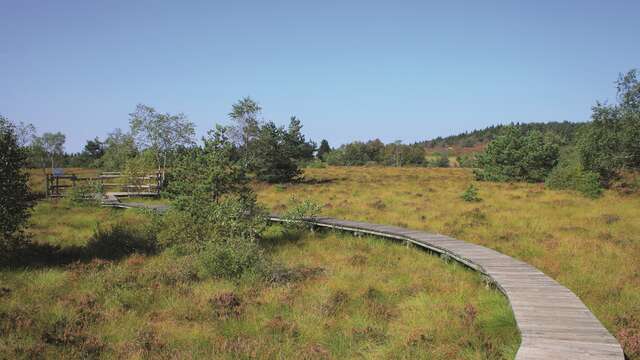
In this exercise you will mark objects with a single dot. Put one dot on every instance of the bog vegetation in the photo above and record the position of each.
(591, 246)
(78, 280)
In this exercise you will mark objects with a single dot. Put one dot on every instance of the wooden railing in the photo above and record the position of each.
(112, 182)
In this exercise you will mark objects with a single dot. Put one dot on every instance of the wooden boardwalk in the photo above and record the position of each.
(553, 322)
(112, 199)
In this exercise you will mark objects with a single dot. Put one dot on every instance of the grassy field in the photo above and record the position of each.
(590, 246)
(333, 296)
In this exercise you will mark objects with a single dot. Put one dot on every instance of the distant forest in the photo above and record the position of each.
(565, 132)
(463, 143)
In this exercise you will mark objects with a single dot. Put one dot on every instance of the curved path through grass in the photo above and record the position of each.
(553, 321)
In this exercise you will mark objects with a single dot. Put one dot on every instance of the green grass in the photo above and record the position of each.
(335, 296)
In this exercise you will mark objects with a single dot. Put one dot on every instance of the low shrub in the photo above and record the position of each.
(517, 156)
(84, 193)
(301, 210)
(471, 194)
(569, 174)
(231, 259)
(441, 160)
(193, 224)
(315, 164)
(335, 158)
(466, 161)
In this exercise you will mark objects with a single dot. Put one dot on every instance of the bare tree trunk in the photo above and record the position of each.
(164, 166)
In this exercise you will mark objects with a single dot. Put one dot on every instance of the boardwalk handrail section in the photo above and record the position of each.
(553, 322)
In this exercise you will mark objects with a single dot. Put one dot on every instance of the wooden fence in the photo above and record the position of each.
(57, 185)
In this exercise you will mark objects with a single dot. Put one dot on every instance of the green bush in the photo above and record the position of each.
(232, 258)
(471, 194)
(467, 161)
(15, 196)
(589, 184)
(136, 168)
(570, 175)
(396, 154)
(85, 192)
(192, 223)
(298, 211)
(517, 156)
(375, 152)
(211, 197)
(335, 157)
(441, 160)
(214, 214)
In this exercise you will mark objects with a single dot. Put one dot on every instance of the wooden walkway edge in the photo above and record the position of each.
(553, 321)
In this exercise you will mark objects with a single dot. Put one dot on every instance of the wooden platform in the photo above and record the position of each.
(112, 199)
(553, 322)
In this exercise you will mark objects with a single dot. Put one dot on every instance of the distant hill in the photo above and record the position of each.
(476, 140)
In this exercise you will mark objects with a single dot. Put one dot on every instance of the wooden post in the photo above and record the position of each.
(46, 185)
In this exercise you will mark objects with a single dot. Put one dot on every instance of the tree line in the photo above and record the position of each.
(564, 130)
(602, 153)
(155, 141)
(375, 152)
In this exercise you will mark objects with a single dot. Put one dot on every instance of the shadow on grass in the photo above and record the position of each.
(320, 181)
(277, 235)
(113, 243)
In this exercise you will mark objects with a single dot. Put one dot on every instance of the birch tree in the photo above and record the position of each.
(161, 133)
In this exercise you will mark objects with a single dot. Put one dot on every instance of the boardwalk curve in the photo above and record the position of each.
(553, 321)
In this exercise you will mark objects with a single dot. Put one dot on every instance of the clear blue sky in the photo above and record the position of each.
(408, 70)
